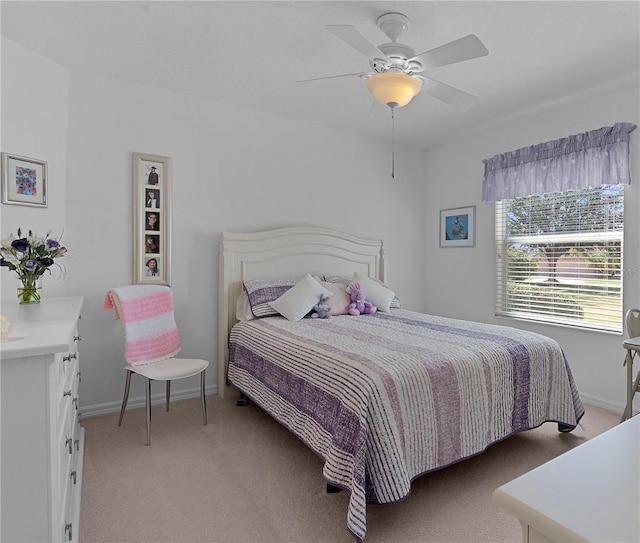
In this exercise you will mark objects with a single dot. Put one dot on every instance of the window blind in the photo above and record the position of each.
(559, 257)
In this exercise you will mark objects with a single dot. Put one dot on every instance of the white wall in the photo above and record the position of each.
(460, 282)
(34, 124)
(233, 170)
(239, 170)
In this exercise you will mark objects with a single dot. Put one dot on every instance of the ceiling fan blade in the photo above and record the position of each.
(359, 74)
(351, 36)
(456, 98)
(456, 51)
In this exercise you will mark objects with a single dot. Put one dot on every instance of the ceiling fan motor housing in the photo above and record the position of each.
(399, 55)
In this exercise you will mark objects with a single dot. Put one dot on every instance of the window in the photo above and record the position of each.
(559, 257)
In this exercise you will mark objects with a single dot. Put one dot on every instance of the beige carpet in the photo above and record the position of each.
(244, 478)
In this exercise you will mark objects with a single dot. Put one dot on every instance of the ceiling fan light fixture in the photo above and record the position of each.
(393, 89)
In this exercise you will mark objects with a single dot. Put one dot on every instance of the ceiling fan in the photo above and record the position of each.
(398, 73)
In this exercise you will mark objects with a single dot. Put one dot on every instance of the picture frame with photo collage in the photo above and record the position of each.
(152, 219)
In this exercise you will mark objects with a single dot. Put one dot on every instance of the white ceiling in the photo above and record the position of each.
(249, 54)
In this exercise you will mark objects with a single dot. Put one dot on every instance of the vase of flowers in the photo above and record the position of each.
(30, 257)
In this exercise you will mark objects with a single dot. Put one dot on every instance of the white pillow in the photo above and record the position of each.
(243, 308)
(374, 292)
(340, 298)
(300, 299)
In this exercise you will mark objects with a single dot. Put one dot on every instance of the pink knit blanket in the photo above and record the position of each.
(146, 313)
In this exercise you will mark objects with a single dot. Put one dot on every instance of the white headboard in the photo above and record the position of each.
(282, 254)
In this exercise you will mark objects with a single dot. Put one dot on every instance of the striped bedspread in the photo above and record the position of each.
(384, 398)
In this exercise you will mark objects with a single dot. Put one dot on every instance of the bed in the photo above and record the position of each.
(386, 397)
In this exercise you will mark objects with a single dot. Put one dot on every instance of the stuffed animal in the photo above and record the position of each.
(321, 310)
(359, 304)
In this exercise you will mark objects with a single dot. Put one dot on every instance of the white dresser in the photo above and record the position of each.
(590, 493)
(42, 445)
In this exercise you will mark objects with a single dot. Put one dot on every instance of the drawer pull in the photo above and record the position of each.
(66, 393)
(67, 528)
(70, 357)
(69, 443)
(79, 376)
(77, 442)
(77, 338)
(75, 402)
(72, 475)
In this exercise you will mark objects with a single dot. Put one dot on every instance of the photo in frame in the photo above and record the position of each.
(24, 181)
(151, 219)
(458, 227)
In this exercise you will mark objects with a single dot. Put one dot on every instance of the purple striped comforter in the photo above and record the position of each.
(384, 398)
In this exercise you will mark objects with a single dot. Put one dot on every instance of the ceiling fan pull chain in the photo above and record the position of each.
(393, 144)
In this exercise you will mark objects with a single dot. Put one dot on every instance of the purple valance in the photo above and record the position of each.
(590, 159)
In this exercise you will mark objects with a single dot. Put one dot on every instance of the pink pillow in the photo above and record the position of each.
(339, 300)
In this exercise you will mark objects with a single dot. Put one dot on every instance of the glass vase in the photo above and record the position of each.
(29, 290)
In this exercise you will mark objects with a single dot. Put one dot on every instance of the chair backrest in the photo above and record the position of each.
(632, 321)
(146, 313)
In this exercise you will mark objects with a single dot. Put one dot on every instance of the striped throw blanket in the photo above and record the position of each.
(387, 397)
(146, 313)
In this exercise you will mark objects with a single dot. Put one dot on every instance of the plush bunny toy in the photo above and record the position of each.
(359, 305)
(322, 310)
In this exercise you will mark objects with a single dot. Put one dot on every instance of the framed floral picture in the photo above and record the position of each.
(458, 227)
(151, 219)
(24, 181)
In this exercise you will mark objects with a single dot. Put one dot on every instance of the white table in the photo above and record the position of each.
(590, 493)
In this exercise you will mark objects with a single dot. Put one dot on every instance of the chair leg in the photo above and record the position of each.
(628, 409)
(126, 397)
(168, 393)
(148, 398)
(202, 398)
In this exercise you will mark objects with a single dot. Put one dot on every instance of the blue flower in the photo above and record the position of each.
(52, 244)
(20, 245)
(46, 262)
(30, 265)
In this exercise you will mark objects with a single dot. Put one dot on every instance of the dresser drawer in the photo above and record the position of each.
(63, 455)
(71, 511)
(63, 383)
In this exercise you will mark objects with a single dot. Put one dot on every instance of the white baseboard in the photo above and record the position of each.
(615, 407)
(114, 407)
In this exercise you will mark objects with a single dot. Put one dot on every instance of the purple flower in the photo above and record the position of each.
(30, 265)
(3, 262)
(20, 245)
(45, 262)
(52, 244)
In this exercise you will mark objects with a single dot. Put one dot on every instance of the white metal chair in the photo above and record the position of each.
(632, 344)
(151, 342)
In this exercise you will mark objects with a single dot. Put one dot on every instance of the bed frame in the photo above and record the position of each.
(281, 254)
